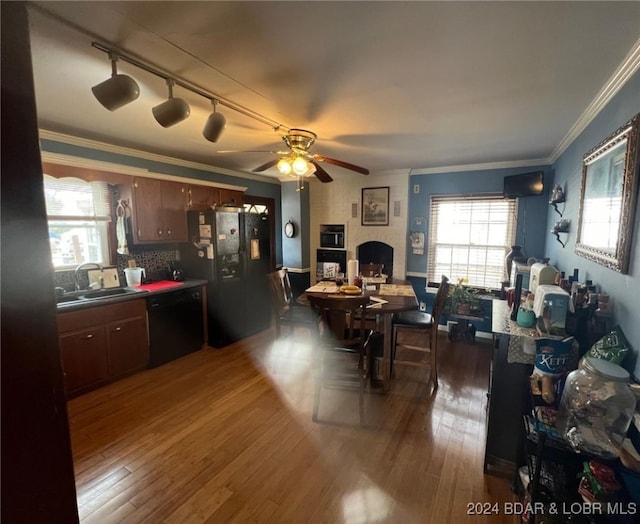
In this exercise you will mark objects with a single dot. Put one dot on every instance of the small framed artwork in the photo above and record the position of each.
(375, 206)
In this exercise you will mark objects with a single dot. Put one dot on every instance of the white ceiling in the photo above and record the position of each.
(391, 86)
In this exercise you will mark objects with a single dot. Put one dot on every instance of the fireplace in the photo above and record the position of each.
(376, 253)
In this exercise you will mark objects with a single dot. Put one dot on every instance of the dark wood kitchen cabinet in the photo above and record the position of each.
(202, 198)
(127, 341)
(84, 359)
(230, 196)
(158, 210)
(100, 344)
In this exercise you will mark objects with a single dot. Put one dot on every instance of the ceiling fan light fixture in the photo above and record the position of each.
(118, 90)
(215, 125)
(300, 166)
(284, 166)
(172, 110)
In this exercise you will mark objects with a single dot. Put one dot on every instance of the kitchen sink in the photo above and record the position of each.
(68, 298)
(99, 293)
(89, 295)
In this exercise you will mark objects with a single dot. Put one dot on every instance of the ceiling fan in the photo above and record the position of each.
(299, 162)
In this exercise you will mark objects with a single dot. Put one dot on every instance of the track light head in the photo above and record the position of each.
(215, 124)
(116, 91)
(172, 110)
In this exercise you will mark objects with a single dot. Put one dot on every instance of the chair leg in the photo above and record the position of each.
(433, 354)
(317, 386)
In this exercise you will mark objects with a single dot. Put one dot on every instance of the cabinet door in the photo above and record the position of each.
(84, 358)
(128, 346)
(230, 196)
(202, 198)
(148, 213)
(174, 212)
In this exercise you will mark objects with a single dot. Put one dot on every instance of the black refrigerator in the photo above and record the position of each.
(231, 250)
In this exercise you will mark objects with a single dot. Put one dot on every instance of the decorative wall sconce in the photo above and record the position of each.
(561, 226)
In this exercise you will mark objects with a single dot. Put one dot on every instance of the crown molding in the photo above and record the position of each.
(136, 153)
(88, 163)
(621, 75)
(480, 167)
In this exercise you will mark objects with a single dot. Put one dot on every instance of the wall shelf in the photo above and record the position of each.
(557, 235)
(562, 225)
(555, 203)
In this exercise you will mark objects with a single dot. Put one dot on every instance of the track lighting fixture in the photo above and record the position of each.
(122, 89)
(118, 90)
(172, 110)
(215, 124)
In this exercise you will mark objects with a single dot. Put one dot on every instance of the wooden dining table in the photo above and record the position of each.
(387, 298)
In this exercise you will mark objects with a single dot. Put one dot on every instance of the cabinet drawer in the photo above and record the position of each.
(100, 315)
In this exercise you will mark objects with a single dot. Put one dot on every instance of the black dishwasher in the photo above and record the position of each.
(175, 325)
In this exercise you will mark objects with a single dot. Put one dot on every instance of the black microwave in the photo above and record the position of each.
(332, 236)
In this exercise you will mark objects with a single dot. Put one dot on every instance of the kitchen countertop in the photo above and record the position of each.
(143, 291)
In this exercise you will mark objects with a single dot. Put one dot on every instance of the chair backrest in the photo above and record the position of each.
(280, 289)
(441, 298)
(342, 318)
(371, 270)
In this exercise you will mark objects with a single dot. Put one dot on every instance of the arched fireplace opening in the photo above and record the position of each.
(376, 253)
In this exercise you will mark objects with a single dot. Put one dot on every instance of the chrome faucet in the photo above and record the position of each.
(83, 266)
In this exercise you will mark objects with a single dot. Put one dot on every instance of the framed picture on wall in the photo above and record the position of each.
(375, 206)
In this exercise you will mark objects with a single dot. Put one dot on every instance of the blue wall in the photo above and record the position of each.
(624, 289)
(532, 211)
(254, 187)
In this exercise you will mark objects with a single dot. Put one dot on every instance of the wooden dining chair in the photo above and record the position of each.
(425, 324)
(341, 346)
(286, 310)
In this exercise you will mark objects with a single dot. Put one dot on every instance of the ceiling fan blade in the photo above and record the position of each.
(321, 174)
(225, 151)
(266, 166)
(340, 163)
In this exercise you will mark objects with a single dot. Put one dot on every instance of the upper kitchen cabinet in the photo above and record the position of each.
(202, 198)
(230, 197)
(158, 210)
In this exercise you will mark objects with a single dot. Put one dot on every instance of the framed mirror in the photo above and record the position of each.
(608, 198)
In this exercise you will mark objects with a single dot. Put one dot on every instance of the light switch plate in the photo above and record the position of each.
(109, 275)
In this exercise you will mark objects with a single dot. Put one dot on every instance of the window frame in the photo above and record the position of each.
(494, 253)
(102, 223)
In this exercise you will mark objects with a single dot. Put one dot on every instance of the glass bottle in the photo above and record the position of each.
(596, 408)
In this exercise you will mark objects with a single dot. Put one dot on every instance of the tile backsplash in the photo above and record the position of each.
(154, 259)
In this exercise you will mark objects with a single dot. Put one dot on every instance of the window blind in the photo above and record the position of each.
(469, 237)
(78, 214)
(68, 198)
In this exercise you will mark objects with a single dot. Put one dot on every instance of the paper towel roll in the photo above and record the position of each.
(352, 271)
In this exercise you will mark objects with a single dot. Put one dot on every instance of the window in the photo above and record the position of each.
(467, 238)
(78, 213)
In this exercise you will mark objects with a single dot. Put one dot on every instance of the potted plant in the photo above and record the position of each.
(462, 300)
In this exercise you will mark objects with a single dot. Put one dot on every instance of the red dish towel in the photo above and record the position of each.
(157, 286)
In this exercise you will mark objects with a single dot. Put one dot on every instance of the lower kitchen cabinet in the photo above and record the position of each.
(100, 344)
(84, 358)
(127, 341)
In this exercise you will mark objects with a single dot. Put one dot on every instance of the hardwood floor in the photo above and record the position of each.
(226, 436)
